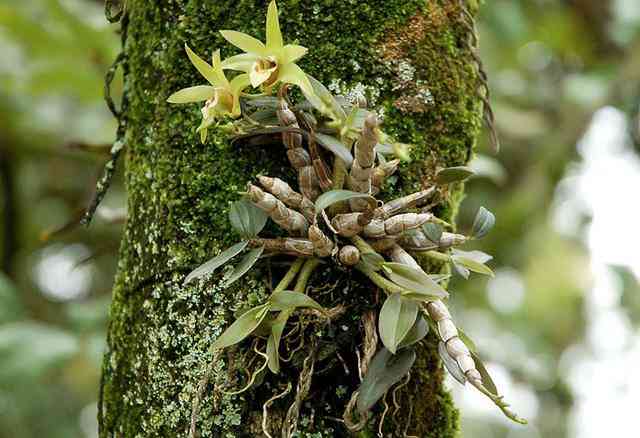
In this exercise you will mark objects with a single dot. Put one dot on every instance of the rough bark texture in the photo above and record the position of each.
(179, 192)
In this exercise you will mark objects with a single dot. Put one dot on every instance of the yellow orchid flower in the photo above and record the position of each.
(222, 97)
(268, 63)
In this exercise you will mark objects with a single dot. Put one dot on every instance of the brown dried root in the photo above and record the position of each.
(254, 375)
(370, 342)
(290, 424)
(347, 415)
(265, 407)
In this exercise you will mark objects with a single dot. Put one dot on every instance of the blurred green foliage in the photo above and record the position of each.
(550, 63)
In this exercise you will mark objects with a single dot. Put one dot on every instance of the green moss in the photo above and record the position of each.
(179, 192)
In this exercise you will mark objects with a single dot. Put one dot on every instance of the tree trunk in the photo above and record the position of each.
(414, 60)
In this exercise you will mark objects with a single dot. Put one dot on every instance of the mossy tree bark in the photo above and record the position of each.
(413, 60)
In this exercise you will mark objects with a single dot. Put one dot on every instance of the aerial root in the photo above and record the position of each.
(195, 408)
(290, 424)
(265, 407)
(254, 375)
(396, 404)
(384, 415)
(347, 415)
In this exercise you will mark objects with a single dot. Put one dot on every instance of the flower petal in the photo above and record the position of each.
(192, 94)
(274, 36)
(203, 67)
(217, 69)
(238, 84)
(242, 62)
(243, 41)
(293, 52)
(292, 74)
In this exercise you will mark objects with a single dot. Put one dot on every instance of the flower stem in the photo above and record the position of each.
(387, 285)
(307, 269)
(290, 275)
(437, 256)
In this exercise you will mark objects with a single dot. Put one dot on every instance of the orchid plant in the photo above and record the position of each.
(336, 215)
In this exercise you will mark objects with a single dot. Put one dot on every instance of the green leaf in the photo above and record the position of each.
(192, 94)
(450, 364)
(335, 146)
(372, 261)
(417, 333)
(478, 256)
(461, 270)
(473, 265)
(216, 262)
(323, 100)
(433, 232)
(384, 371)
(482, 224)
(273, 342)
(487, 381)
(288, 299)
(415, 281)
(467, 341)
(333, 196)
(453, 174)
(247, 219)
(396, 319)
(245, 264)
(241, 327)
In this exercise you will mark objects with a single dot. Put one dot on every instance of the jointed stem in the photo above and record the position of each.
(307, 269)
(290, 275)
(339, 173)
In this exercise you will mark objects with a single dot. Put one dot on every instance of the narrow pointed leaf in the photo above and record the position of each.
(192, 94)
(478, 256)
(289, 299)
(396, 319)
(336, 147)
(333, 196)
(414, 280)
(384, 371)
(323, 100)
(461, 270)
(417, 333)
(453, 174)
(473, 265)
(273, 342)
(216, 262)
(245, 264)
(203, 67)
(487, 381)
(450, 364)
(467, 341)
(483, 223)
(247, 219)
(241, 327)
